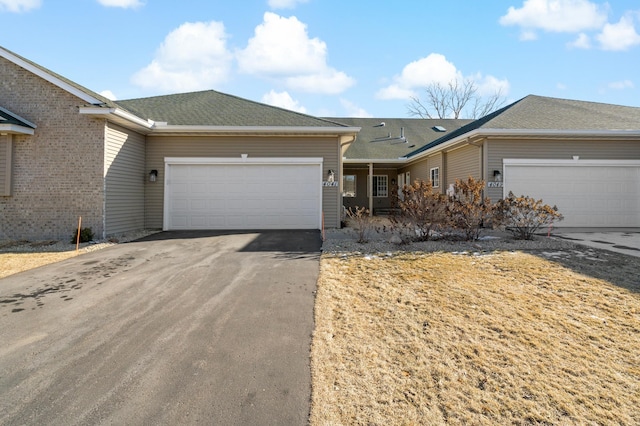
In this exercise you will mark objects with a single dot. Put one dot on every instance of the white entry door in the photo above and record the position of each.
(256, 194)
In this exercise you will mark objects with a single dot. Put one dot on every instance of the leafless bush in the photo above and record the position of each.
(422, 211)
(466, 209)
(362, 219)
(523, 216)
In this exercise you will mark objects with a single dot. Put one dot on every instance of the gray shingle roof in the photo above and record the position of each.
(536, 113)
(417, 131)
(544, 113)
(8, 118)
(211, 108)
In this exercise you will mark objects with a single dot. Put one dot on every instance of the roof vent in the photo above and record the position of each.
(439, 129)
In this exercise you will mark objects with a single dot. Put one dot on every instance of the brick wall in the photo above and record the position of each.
(57, 172)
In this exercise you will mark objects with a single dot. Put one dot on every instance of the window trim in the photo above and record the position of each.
(375, 184)
(435, 171)
(355, 186)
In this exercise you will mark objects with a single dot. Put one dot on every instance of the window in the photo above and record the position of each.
(435, 177)
(380, 186)
(349, 185)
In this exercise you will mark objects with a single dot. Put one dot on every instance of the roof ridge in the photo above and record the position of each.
(239, 98)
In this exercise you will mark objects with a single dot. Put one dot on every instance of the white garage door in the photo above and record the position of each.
(589, 193)
(255, 194)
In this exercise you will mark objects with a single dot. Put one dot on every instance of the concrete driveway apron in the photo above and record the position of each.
(619, 241)
(178, 328)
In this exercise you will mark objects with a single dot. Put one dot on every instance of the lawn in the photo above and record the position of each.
(477, 338)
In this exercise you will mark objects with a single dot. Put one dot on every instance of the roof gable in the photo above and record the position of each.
(71, 87)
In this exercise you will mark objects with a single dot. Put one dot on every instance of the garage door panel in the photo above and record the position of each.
(604, 195)
(243, 196)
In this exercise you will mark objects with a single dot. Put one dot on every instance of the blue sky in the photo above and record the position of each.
(334, 57)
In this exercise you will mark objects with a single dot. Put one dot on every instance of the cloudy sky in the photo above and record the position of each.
(334, 57)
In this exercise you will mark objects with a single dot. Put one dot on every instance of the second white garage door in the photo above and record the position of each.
(589, 193)
(256, 194)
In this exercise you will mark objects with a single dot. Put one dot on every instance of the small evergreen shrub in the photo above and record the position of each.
(86, 235)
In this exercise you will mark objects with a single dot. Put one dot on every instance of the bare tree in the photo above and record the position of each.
(454, 100)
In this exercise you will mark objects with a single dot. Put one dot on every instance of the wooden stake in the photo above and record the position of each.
(79, 227)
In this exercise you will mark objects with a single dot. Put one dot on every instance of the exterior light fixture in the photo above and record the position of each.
(497, 176)
(153, 175)
(331, 176)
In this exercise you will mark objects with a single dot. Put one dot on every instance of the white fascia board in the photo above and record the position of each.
(561, 133)
(536, 162)
(49, 77)
(14, 128)
(243, 160)
(400, 160)
(17, 117)
(274, 130)
(106, 112)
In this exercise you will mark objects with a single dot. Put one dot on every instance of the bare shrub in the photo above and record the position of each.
(466, 209)
(422, 211)
(362, 219)
(523, 216)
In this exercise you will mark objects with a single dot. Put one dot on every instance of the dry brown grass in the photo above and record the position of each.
(12, 263)
(502, 338)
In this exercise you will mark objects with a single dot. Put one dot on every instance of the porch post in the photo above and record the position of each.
(370, 189)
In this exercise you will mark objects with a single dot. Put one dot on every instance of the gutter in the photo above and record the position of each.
(165, 129)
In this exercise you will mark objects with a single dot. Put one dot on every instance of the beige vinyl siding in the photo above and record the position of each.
(6, 146)
(421, 169)
(159, 147)
(555, 149)
(124, 180)
(460, 164)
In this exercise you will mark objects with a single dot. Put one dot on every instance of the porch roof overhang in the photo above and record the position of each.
(356, 163)
(11, 123)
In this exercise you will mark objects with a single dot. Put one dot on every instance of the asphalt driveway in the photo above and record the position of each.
(179, 328)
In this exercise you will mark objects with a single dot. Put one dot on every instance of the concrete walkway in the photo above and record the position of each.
(621, 241)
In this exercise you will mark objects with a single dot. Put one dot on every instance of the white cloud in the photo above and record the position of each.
(283, 100)
(435, 69)
(109, 95)
(19, 5)
(489, 85)
(354, 110)
(285, 4)
(192, 57)
(419, 74)
(281, 49)
(620, 36)
(570, 16)
(125, 4)
(561, 86)
(621, 85)
(582, 42)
